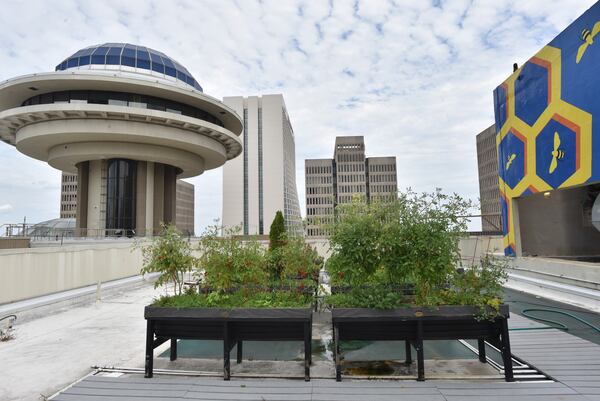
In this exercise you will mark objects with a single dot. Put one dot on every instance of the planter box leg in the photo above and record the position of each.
(226, 350)
(149, 349)
(239, 351)
(310, 342)
(336, 351)
(173, 355)
(307, 328)
(481, 348)
(420, 356)
(408, 353)
(506, 354)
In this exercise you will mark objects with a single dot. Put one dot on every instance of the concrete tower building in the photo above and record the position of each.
(68, 196)
(489, 192)
(129, 121)
(184, 202)
(330, 182)
(263, 180)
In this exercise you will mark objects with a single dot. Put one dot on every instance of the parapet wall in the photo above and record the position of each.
(33, 272)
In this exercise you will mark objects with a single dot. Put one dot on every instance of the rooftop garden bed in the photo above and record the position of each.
(396, 274)
(246, 292)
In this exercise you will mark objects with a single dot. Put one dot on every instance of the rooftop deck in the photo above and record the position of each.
(573, 362)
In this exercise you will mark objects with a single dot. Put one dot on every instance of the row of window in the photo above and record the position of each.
(351, 157)
(382, 177)
(351, 188)
(132, 56)
(319, 190)
(350, 168)
(69, 187)
(122, 99)
(383, 188)
(312, 211)
(349, 147)
(351, 178)
(381, 168)
(319, 180)
(320, 200)
(68, 198)
(316, 232)
(69, 178)
(318, 170)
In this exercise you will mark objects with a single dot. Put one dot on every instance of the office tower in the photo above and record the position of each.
(489, 194)
(262, 180)
(330, 182)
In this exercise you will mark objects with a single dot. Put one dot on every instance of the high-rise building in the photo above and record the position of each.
(68, 196)
(129, 121)
(330, 182)
(262, 180)
(184, 202)
(489, 193)
(184, 205)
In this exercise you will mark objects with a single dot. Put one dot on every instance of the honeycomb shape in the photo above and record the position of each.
(565, 151)
(512, 158)
(532, 90)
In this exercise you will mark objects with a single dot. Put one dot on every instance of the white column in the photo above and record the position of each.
(149, 198)
(94, 198)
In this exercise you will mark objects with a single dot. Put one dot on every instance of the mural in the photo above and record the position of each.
(544, 113)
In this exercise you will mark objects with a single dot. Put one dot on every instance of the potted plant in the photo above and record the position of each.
(396, 274)
(238, 300)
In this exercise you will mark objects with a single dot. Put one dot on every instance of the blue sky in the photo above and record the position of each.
(414, 77)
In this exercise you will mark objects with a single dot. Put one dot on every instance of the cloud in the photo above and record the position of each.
(415, 78)
(5, 208)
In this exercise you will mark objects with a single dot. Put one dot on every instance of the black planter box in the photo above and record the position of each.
(232, 326)
(415, 324)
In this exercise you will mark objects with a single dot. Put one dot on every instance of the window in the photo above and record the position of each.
(113, 56)
(128, 56)
(99, 55)
(143, 58)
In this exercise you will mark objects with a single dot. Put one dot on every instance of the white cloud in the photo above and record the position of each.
(418, 81)
(5, 208)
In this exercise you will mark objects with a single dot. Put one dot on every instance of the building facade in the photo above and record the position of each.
(129, 121)
(184, 202)
(262, 180)
(489, 193)
(330, 182)
(68, 196)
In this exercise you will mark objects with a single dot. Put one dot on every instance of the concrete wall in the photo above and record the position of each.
(475, 247)
(558, 225)
(28, 273)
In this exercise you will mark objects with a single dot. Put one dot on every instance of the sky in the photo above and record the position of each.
(415, 78)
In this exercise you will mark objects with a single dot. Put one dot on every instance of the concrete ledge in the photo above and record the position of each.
(570, 294)
(576, 273)
(41, 306)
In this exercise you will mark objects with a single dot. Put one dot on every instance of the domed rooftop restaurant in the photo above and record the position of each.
(129, 121)
(131, 58)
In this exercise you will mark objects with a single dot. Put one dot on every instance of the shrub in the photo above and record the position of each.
(411, 242)
(169, 254)
(229, 263)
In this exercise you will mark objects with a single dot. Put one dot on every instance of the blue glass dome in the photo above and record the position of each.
(125, 54)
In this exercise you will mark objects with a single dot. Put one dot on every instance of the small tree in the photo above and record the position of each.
(170, 254)
(277, 233)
